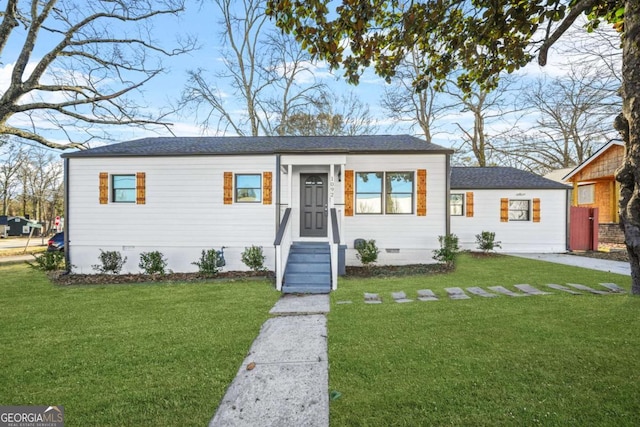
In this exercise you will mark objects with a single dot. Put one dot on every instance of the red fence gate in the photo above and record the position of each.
(583, 229)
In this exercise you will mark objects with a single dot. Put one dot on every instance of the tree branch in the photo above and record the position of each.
(575, 11)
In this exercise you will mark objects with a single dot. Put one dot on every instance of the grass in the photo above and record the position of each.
(552, 360)
(143, 354)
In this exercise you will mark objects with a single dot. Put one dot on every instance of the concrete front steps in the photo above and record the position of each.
(308, 269)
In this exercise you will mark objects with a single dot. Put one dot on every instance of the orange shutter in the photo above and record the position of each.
(469, 204)
(104, 188)
(140, 188)
(348, 193)
(504, 210)
(536, 210)
(422, 193)
(266, 188)
(228, 188)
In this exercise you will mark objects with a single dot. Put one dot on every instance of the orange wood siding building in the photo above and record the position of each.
(594, 183)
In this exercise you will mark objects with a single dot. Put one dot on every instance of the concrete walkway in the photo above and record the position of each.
(617, 267)
(16, 259)
(284, 380)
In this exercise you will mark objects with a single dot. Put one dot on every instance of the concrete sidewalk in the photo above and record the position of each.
(617, 267)
(284, 380)
(15, 259)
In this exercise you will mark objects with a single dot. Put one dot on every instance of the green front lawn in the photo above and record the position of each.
(550, 360)
(143, 354)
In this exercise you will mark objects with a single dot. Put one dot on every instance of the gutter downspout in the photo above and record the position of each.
(567, 216)
(67, 252)
(447, 211)
(277, 193)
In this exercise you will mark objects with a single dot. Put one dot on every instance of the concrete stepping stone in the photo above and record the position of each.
(588, 289)
(613, 287)
(481, 292)
(456, 293)
(528, 289)
(426, 295)
(563, 288)
(372, 298)
(505, 291)
(400, 297)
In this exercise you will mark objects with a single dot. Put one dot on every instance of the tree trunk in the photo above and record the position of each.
(628, 124)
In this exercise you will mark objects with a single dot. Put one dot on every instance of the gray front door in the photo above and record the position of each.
(313, 205)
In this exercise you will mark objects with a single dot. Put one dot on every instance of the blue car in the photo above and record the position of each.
(56, 243)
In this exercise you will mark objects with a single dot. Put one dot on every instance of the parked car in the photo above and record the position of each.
(56, 243)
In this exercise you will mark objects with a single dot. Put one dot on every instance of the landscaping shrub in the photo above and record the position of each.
(448, 251)
(111, 262)
(48, 261)
(486, 241)
(211, 261)
(253, 257)
(367, 252)
(152, 262)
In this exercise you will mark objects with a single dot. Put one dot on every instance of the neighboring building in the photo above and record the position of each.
(527, 212)
(595, 186)
(303, 199)
(20, 226)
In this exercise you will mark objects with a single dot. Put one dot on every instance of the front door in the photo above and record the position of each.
(313, 205)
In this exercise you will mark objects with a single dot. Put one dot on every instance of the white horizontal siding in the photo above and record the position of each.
(548, 235)
(415, 236)
(184, 211)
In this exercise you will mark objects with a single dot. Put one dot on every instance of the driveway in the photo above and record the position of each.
(617, 267)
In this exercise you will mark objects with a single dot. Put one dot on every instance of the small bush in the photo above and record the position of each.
(211, 261)
(448, 251)
(48, 261)
(152, 262)
(486, 241)
(367, 252)
(111, 262)
(253, 257)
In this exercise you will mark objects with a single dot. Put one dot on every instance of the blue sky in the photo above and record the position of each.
(202, 21)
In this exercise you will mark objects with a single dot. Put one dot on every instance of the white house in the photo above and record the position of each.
(183, 195)
(305, 200)
(527, 212)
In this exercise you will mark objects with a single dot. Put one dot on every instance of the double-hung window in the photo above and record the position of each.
(369, 192)
(519, 210)
(123, 188)
(399, 192)
(248, 188)
(456, 204)
(396, 187)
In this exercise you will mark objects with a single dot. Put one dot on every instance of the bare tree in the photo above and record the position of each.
(331, 115)
(485, 107)
(262, 66)
(404, 103)
(41, 176)
(574, 115)
(11, 160)
(96, 54)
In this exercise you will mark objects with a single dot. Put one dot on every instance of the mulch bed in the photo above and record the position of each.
(396, 270)
(59, 278)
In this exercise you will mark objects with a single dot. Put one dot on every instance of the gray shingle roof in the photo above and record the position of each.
(499, 178)
(189, 146)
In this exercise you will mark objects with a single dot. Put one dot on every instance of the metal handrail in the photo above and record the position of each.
(334, 226)
(283, 227)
